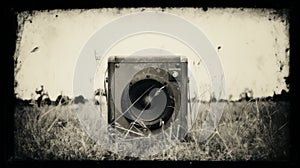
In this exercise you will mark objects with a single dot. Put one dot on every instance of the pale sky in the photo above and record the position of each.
(252, 48)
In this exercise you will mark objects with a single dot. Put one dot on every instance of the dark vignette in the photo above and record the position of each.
(10, 32)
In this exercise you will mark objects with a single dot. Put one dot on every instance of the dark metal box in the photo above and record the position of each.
(147, 94)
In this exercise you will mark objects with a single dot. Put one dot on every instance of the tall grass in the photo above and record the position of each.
(247, 131)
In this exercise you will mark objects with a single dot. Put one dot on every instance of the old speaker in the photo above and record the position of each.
(147, 95)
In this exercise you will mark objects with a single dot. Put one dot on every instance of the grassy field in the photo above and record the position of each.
(247, 131)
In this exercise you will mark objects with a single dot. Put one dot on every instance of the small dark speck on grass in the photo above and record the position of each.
(219, 47)
(56, 15)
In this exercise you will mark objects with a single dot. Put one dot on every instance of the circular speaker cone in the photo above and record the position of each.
(148, 100)
(144, 93)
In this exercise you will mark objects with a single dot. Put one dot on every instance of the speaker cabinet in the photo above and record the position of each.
(147, 95)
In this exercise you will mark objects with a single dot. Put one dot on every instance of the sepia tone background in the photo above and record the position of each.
(253, 46)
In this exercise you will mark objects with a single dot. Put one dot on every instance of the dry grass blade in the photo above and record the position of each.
(52, 124)
(281, 127)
